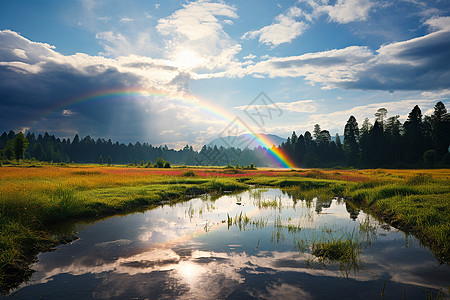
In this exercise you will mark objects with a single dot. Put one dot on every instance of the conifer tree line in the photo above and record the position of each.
(421, 141)
(418, 142)
(87, 150)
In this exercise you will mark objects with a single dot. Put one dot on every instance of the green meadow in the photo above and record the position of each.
(34, 198)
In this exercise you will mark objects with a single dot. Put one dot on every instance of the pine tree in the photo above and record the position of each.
(440, 128)
(364, 141)
(316, 131)
(414, 140)
(393, 134)
(380, 115)
(351, 138)
(20, 145)
(376, 145)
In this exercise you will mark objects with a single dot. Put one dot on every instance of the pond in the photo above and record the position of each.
(259, 244)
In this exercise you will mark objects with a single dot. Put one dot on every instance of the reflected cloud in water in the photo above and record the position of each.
(168, 253)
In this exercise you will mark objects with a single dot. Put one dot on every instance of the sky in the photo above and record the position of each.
(181, 72)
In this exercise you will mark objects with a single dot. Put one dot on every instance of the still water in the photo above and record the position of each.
(255, 245)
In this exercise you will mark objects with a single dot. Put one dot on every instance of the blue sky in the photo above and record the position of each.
(318, 61)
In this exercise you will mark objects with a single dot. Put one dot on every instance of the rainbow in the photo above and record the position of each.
(276, 154)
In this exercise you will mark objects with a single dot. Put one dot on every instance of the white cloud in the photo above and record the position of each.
(104, 19)
(250, 56)
(306, 106)
(345, 11)
(436, 94)
(126, 20)
(110, 36)
(14, 47)
(113, 34)
(46, 68)
(336, 120)
(67, 112)
(283, 30)
(195, 36)
(117, 44)
(429, 112)
(417, 64)
(50, 78)
(196, 20)
(328, 67)
(20, 53)
(342, 11)
(439, 23)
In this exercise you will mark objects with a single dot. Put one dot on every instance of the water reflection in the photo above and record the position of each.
(259, 244)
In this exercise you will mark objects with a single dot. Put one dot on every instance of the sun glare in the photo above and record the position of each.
(188, 59)
(189, 271)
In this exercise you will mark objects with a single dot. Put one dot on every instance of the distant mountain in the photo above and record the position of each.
(245, 141)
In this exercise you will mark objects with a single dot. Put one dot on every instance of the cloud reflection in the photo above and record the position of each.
(172, 255)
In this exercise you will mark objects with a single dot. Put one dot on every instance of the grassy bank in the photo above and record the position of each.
(417, 202)
(34, 197)
(420, 204)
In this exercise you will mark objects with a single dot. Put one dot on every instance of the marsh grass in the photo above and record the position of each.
(32, 199)
(420, 178)
(345, 250)
(274, 204)
(367, 231)
(18, 244)
(33, 196)
(336, 250)
(84, 172)
(418, 203)
(308, 195)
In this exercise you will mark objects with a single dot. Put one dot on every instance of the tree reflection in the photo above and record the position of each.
(354, 212)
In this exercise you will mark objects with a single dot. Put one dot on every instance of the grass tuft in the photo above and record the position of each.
(34, 195)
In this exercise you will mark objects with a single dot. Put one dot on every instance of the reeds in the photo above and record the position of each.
(417, 201)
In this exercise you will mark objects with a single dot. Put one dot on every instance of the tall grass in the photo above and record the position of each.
(33, 197)
(343, 250)
(418, 203)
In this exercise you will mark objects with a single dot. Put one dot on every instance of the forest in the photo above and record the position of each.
(421, 141)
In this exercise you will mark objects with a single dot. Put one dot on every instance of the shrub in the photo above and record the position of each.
(159, 163)
(250, 167)
(189, 173)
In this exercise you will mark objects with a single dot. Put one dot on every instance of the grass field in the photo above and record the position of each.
(32, 197)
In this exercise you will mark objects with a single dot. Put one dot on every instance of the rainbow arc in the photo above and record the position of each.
(275, 154)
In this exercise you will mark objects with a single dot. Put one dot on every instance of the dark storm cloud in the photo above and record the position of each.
(37, 83)
(29, 99)
(421, 63)
(418, 64)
